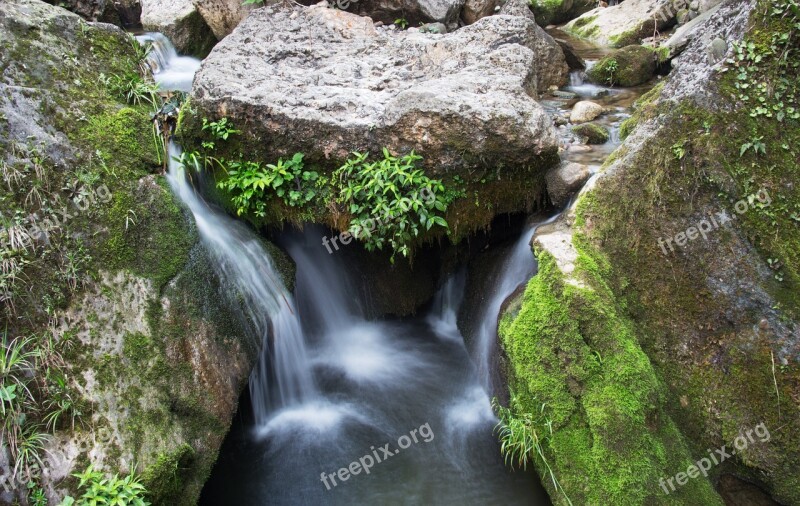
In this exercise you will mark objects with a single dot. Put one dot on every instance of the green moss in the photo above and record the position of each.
(164, 479)
(595, 134)
(575, 356)
(629, 66)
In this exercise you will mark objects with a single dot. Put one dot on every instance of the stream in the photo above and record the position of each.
(404, 405)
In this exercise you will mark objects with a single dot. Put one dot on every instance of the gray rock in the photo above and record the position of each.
(565, 180)
(564, 94)
(326, 82)
(517, 8)
(181, 23)
(718, 48)
(574, 60)
(686, 33)
(433, 28)
(623, 24)
(222, 15)
(585, 111)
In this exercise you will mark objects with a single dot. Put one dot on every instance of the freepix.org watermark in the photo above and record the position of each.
(713, 222)
(715, 457)
(365, 463)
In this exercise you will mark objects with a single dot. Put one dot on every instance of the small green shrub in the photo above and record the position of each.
(391, 200)
(99, 490)
(132, 88)
(250, 182)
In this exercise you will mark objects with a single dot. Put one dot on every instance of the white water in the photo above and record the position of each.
(170, 71)
(245, 266)
(516, 269)
(329, 385)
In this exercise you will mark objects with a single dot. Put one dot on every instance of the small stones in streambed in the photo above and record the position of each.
(564, 94)
(585, 111)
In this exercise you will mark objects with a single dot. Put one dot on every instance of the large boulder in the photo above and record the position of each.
(152, 360)
(181, 23)
(630, 66)
(222, 15)
(623, 24)
(326, 83)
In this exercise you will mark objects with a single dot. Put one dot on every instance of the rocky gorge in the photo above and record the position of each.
(561, 234)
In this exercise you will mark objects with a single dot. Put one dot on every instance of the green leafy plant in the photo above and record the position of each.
(221, 129)
(131, 87)
(402, 23)
(251, 184)
(520, 439)
(391, 200)
(756, 144)
(679, 150)
(115, 491)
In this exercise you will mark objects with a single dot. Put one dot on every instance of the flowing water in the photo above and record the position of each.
(402, 405)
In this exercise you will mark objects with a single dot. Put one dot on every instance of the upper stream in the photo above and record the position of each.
(332, 388)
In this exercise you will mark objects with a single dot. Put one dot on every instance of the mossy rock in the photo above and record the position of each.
(550, 12)
(595, 134)
(630, 66)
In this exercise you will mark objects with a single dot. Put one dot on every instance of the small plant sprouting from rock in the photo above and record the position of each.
(100, 490)
(394, 192)
(520, 440)
(401, 23)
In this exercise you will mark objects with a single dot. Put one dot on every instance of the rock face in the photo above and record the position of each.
(629, 66)
(477, 9)
(149, 351)
(181, 23)
(222, 15)
(626, 23)
(711, 321)
(326, 82)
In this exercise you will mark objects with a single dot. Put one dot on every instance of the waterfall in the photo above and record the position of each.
(170, 71)
(515, 270)
(282, 375)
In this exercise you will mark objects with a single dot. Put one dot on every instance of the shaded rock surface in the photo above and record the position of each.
(551, 12)
(626, 23)
(326, 82)
(415, 12)
(123, 13)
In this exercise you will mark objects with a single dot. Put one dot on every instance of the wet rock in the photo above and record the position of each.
(564, 94)
(585, 111)
(623, 24)
(564, 181)
(594, 134)
(477, 9)
(630, 66)
(326, 82)
(181, 23)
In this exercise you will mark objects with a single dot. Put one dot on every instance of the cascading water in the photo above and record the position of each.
(171, 72)
(516, 269)
(246, 267)
(331, 388)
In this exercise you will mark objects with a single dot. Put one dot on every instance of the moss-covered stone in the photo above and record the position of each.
(550, 12)
(595, 134)
(630, 66)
